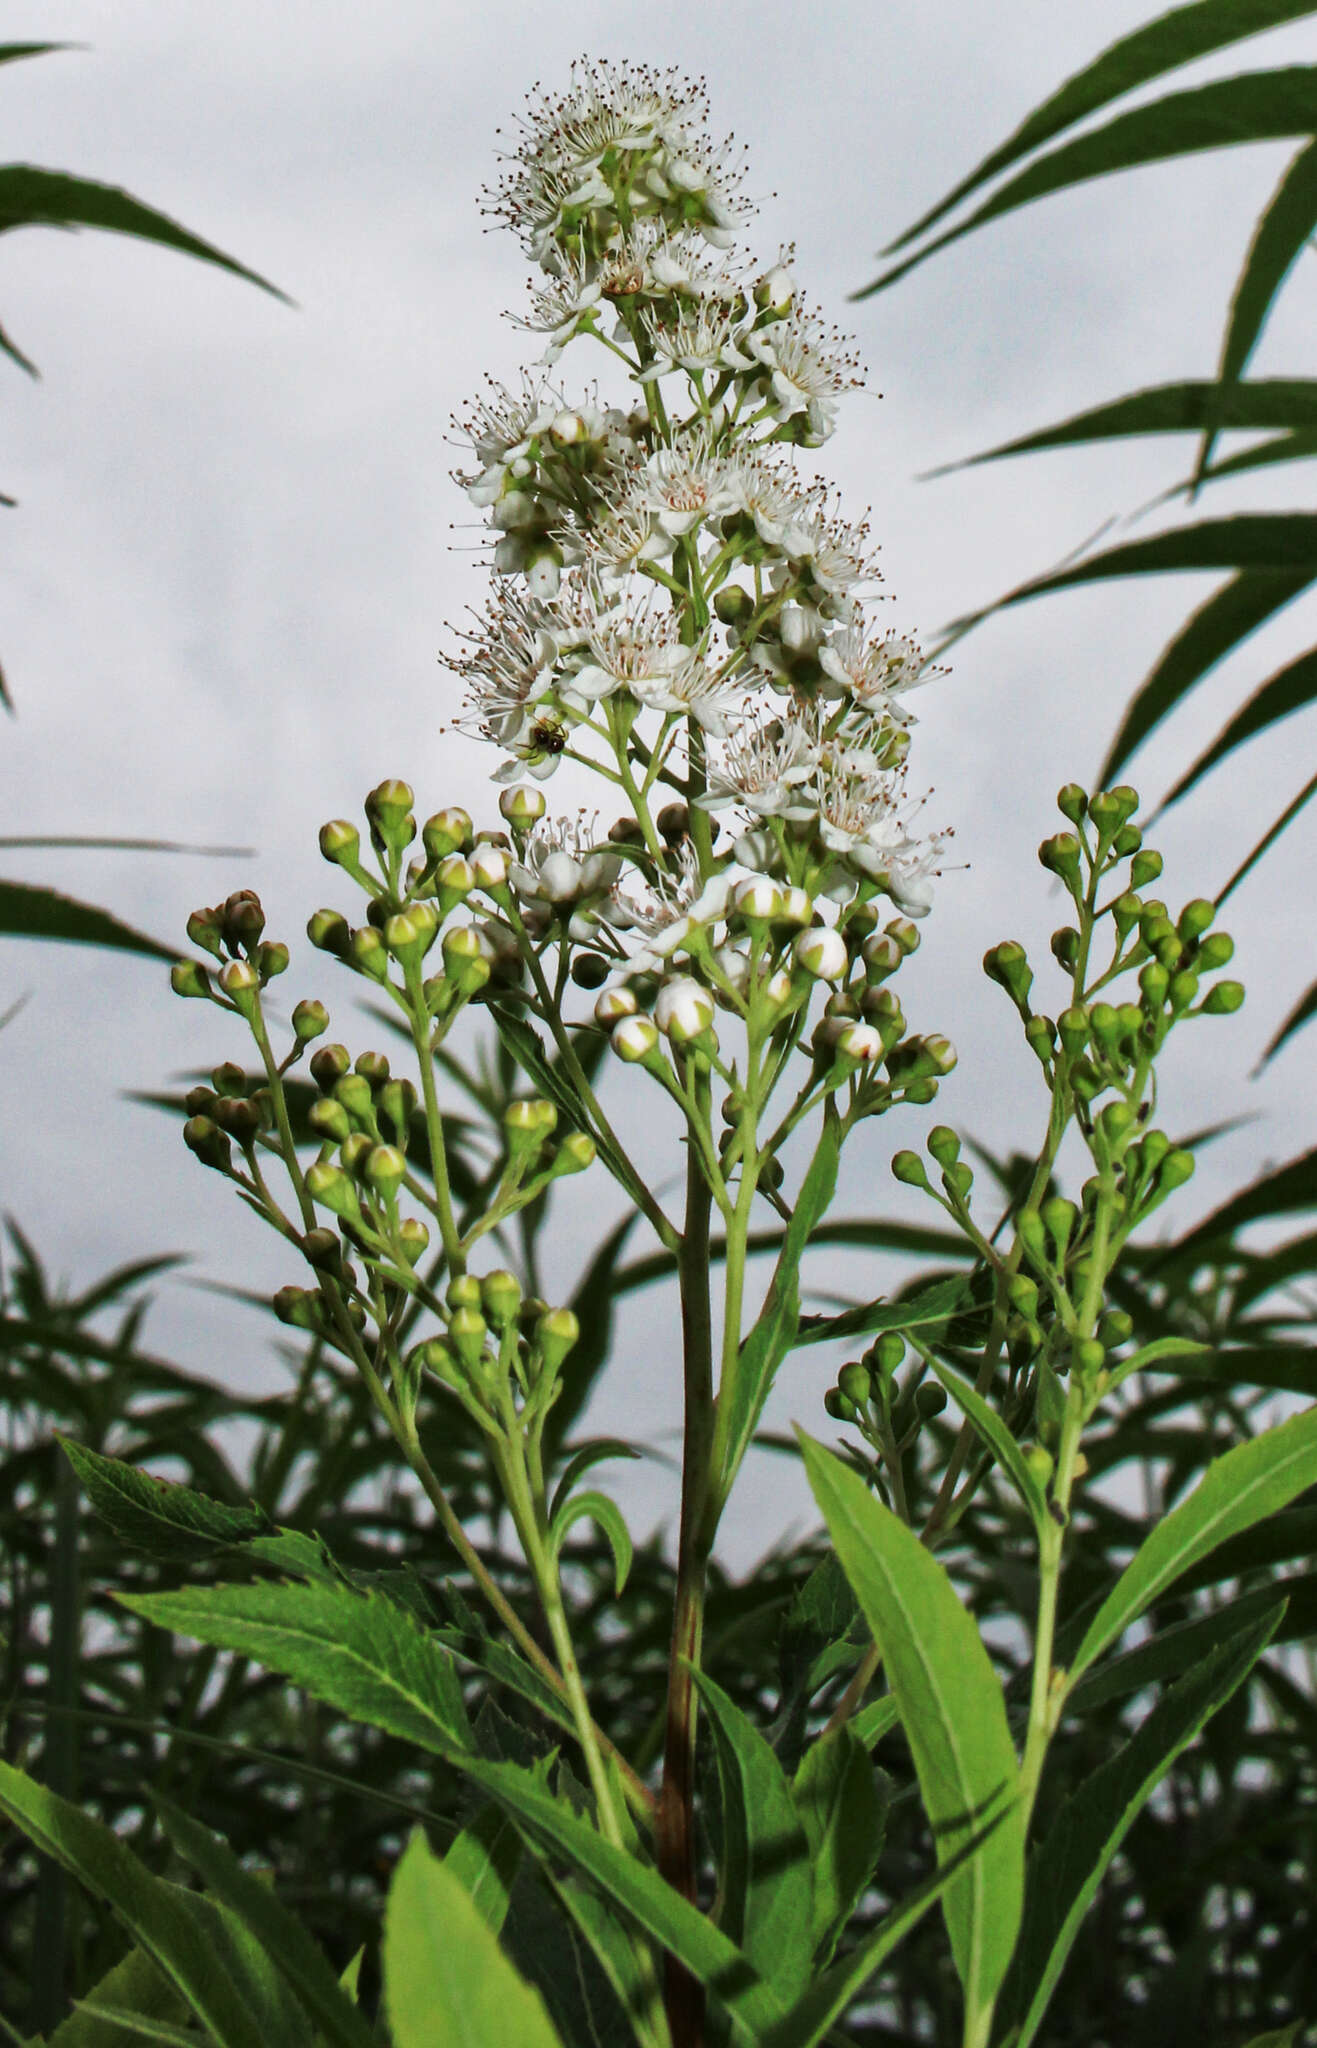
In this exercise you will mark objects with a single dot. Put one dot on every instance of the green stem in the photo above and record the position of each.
(418, 1018)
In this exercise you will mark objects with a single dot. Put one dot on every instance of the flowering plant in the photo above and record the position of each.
(684, 612)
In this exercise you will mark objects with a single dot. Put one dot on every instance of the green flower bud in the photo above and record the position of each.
(855, 1383)
(1041, 1035)
(1215, 951)
(388, 808)
(435, 1357)
(1117, 1120)
(1065, 947)
(448, 831)
(1059, 1216)
(384, 1168)
(203, 929)
(408, 936)
(733, 604)
(340, 842)
(468, 959)
(240, 1118)
(1008, 965)
(958, 1179)
(203, 1136)
(1127, 841)
(555, 1334)
(198, 1101)
(576, 1152)
(1085, 1079)
(527, 1124)
(323, 1249)
(355, 1151)
(1116, 1327)
(241, 984)
(1022, 1293)
(272, 958)
(1107, 1029)
(330, 932)
(1176, 1168)
(613, 1005)
(943, 1145)
(905, 932)
(354, 1093)
(299, 1306)
(1145, 867)
(940, 1051)
(189, 978)
(908, 1168)
(328, 1064)
(886, 1355)
(242, 919)
(500, 1298)
(330, 1188)
(1195, 918)
(413, 1238)
(228, 1078)
(1107, 812)
(310, 1020)
(1183, 989)
(591, 970)
(1060, 856)
(1154, 982)
(634, 1038)
(454, 878)
(522, 806)
(1126, 912)
(1088, 1357)
(467, 1330)
(397, 1101)
(1032, 1235)
(1040, 1462)
(930, 1400)
(368, 953)
(1072, 802)
(881, 956)
(837, 1406)
(1223, 999)
(463, 1291)
(1072, 1028)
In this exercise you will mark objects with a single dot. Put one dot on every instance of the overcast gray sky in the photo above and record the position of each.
(228, 580)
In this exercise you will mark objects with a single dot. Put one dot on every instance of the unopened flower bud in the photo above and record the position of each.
(500, 1298)
(1223, 999)
(463, 1291)
(1059, 1218)
(189, 978)
(674, 823)
(1088, 1356)
(930, 1400)
(881, 956)
(384, 1168)
(330, 932)
(198, 1101)
(1072, 1029)
(684, 1009)
(613, 1005)
(388, 807)
(330, 1188)
(1065, 946)
(323, 1249)
(908, 1168)
(299, 1306)
(203, 929)
(204, 1137)
(1008, 965)
(555, 1334)
(1145, 867)
(328, 1064)
(797, 908)
(241, 984)
(634, 1038)
(340, 842)
(271, 958)
(448, 831)
(1182, 990)
(522, 806)
(1072, 802)
(821, 951)
(1022, 1293)
(860, 1042)
(310, 1020)
(576, 1152)
(527, 1124)
(467, 1330)
(855, 1382)
(1176, 1168)
(242, 920)
(489, 868)
(1041, 1035)
(758, 898)
(468, 958)
(413, 1238)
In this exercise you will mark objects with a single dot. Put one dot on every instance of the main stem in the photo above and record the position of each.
(675, 1829)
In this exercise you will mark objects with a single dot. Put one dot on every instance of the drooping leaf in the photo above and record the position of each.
(280, 1933)
(836, 1795)
(361, 1652)
(31, 197)
(1069, 1865)
(447, 1983)
(597, 1450)
(767, 1889)
(167, 1521)
(1258, 106)
(1286, 1191)
(1174, 1650)
(1188, 407)
(211, 1960)
(608, 1518)
(1281, 235)
(952, 1710)
(28, 912)
(1250, 1482)
(1159, 46)
(1268, 840)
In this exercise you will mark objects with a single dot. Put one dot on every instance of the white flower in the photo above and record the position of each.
(684, 1009)
(872, 671)
(821, 951)
(774, 500)
(682, 486)
(508, 664)
(835, 555)
(666, 910)
(633, 646)
(807, 367)
(693, 690)
(766, 769)
(560, 867)
(704, 337)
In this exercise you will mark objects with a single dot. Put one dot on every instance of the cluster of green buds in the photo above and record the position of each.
(502, 1353)
(888, 1408)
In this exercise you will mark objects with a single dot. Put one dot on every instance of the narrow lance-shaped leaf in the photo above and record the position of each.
(1282, 233)
(1291, 689)
(484, 1859)
(836, 1794)
(767, 1890)
(1159, 46)
(32, 197)
(1259, 106)
(27, 912)
(1188, 407)
(1247, 1484)
(1267, 841)
(1303, 1013)
(447, 1983)
(1066, 1870)
(134, 1985)
(157, 1516)
(952, 1710)
(990, 1428)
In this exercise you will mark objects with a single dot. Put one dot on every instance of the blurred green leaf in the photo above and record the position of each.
(447, 1984)
(1302, 1013)
(1290, 689)
(27, 912)
(836, 1795)
(1289, 402)
(952, 1710)
(134, 1985)
(1064, 1872)
(989, 1426)
(484, 1859)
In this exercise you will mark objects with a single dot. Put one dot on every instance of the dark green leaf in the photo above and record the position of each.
(951, 1708)
(447, 1983)
(989, 1426)
(32, 197)
(596, 1451)
(607, 1517)
(1267, 841)
(362, 1653)
(1250, 1482)
(27, 912)
(836, 1794)
(134, 1985)
(484, 1860)
(282, 1936)
(1067, 1868)
(1174, 1650)
(1285, 1191)
(766, 1887)
(1302, 1013)
(168, 1521)
(928, 1309)
(1259, 106)
(1289, 690)
(1170, 409)
(1162, 45)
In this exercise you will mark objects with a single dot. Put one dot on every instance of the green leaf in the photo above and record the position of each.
(27, 912)
(613, 1947)
(1290, 689)
(1247, 1484)
(951, 1708)
(607, 1517)
(1220, 625)
(134, 1985)
(1173, 39)
(1188, 407)
(361, 1652)
(929, 1309)
(1287, 1190)
(994, 1433)
(1259, 106)
(168, 1521)
(282, 1936)
(777, 1327)
(1303, 1013)
(31, 197)
(836, 1795)
(1267, 841)
(447, 1983)
(1172, 1354)
(766, 1888)
(199, 1947)
(1173, 1650)
(596, 1451)
(484, 1860)
(1281, 235)
(871, 1723)
(1067, 1868)
(1279, 2037)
